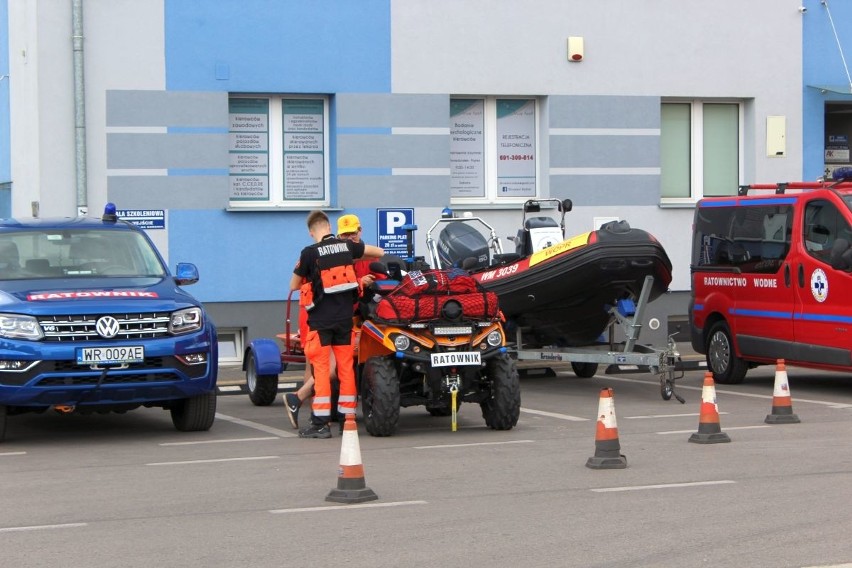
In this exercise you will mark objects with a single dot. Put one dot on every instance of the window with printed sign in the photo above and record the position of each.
(701, 150)
(494, 149)
(277, 151)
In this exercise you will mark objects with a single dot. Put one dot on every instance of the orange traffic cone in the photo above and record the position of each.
(709, 430)
(607, 448)
(782, 403)
(351, 486)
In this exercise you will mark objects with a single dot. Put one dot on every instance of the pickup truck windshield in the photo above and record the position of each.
(86, 253)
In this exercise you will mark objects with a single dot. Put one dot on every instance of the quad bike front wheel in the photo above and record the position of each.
(380, 397)
(502, 409)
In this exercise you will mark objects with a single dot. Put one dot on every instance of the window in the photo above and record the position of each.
(753, 239)
(824, 225)
(230, 345)
(494, 149)
(700, 149)
(278, 151)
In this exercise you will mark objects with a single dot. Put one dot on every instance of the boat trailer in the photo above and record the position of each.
(585, 359)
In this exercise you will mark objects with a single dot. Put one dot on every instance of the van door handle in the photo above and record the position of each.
(801, 276)
(787, 275)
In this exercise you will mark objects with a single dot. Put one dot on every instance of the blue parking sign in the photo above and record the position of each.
(392, 237)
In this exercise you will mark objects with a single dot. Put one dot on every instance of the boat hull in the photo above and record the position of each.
(561, 296)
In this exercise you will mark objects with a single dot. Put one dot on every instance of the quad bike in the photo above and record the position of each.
(435, 340)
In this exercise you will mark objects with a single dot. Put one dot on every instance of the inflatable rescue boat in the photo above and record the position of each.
(559, 291)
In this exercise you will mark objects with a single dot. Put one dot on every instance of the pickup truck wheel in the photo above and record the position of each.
(584, 370)
(3, 413)
(502, 409)
(262, 389)
(194, 414)
(380, 398)
(727, 368)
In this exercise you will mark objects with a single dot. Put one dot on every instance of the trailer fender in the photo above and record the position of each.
(267, 356)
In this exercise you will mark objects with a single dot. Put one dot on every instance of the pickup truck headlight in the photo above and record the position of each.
(185, 321)
(15, 326)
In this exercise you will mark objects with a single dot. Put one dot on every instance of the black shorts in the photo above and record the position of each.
(339, 333)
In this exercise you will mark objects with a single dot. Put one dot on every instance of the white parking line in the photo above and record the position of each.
(664, 415)
(13, 453)
(43, 527)
(219, 441)
(473, 444)
(555, 415)
(191, 462)
(839, 405)
(734, 428)
(257, 426)
(661, 486)
(347, 507)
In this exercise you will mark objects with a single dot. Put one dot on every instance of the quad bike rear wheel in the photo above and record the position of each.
(380, 398)
(502, 409)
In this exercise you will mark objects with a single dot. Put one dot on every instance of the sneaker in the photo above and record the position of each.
(315, 431)
(292, 404)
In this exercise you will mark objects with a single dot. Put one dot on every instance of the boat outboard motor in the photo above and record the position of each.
(538, 233)
(459, 245)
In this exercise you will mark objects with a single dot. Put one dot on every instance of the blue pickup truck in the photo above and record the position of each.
(91, 320)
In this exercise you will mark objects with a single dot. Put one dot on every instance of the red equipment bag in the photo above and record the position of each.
(420, 296)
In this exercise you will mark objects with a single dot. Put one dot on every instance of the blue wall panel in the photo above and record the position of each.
(246, 257)
(822, 65)
(286, 46)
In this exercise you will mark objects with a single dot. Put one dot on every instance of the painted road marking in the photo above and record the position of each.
(474, 444)
(43, 527)
(828, 403)
(661, 486)
(734, 428)
(555, 415)
(13, 453)
(693, 414)
(347, 507)
(262, 427)
(191, 462)
(219, 441)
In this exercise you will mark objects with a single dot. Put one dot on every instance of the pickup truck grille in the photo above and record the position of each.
(82, 327)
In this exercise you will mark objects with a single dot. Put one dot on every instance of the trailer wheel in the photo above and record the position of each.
(666, 389)
(727, 368)
(380, 399)
(262, 389)
(584, 370)
(502, 409)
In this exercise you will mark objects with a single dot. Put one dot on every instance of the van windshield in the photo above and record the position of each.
(72, 253)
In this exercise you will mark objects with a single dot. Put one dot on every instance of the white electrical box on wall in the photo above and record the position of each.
(776, 136)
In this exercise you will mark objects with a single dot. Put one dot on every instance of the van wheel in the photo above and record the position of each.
(727, 368)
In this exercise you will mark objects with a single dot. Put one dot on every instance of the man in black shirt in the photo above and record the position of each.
(328, 265)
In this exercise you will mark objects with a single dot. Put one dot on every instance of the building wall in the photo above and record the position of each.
(5, 154)
(159, 72)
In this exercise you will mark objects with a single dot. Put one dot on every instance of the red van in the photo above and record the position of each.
(772, 278)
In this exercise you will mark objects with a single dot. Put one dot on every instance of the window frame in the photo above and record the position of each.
(696, 153)
(491, 153)
(275, 156)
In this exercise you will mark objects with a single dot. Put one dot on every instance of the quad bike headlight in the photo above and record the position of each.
(494, 338)
(401, 343)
